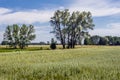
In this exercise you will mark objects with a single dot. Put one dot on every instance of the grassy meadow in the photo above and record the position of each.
(81, 63)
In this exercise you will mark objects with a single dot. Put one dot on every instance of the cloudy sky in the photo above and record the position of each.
(106, 15)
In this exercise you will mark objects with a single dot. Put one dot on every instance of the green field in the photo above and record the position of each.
(81, 63)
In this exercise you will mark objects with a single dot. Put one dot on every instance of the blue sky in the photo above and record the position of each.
(106, 15)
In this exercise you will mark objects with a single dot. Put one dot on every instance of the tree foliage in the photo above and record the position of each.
(20, 36)
(98, 40)
(87, 41)
(68, 28)
(95, 39)
(103, 41)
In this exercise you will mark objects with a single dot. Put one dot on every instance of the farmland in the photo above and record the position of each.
(81, 63)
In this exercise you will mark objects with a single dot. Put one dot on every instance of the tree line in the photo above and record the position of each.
(98, 40)
(70, 28)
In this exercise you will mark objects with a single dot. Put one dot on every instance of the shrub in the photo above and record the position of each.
(53, 46)
(41, 48)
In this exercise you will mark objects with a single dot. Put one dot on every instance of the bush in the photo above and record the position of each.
(53, 46)
(41, 48)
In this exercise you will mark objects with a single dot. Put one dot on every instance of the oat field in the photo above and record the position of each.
(81, 63)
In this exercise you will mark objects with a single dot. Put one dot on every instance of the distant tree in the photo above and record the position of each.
(103, 41)
(42, 43)
(95, 39)
(116, 40)
(118, 43)
(110, 40)
(4, 43)
(113, 40)
(48, 42)
(87, 41)
(19, 35)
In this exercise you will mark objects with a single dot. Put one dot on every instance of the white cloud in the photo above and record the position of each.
(97, 7)
(112, 29)
(27, 17)
(1, 35)
(4, 10)
(9, 17)
(44, 28)
(43, 33)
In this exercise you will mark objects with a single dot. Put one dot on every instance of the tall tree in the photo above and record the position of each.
(79, 24)
(15, 35)
(19, 35)
(11, 35)
(57, 29)
(64, 21)
(69, 28)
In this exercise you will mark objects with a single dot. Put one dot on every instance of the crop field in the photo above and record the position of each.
(41, 63)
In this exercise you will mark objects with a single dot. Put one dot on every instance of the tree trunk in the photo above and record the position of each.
(61, 37)
(68, 46)
(15, 46)
(63, 46)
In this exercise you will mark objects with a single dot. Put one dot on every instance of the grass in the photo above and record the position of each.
(82, 63)
(30, 48)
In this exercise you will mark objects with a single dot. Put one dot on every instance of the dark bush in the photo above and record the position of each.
(41, 48)
(53, 45)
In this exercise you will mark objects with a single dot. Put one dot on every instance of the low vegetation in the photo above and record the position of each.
(30, 48)
(81, 63)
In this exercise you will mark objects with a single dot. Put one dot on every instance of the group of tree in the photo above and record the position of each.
(18, 36)
(69, 28)
(98, 40)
